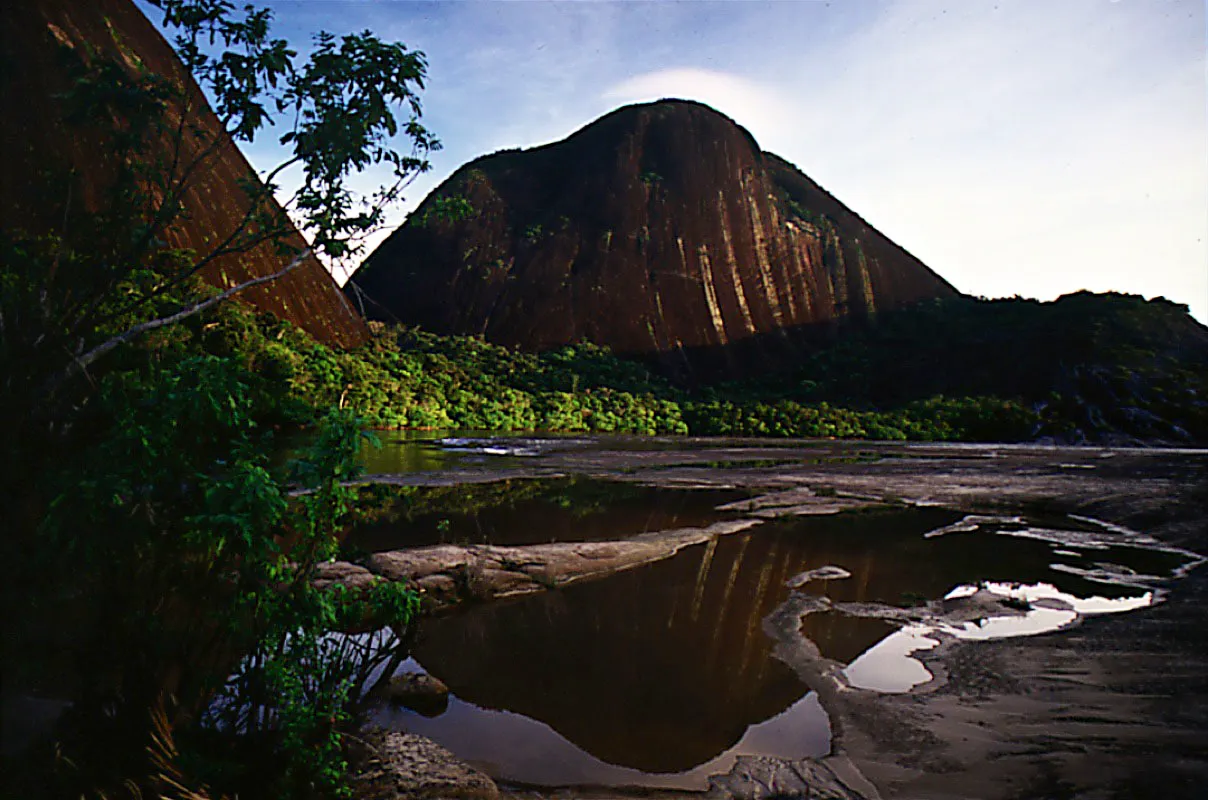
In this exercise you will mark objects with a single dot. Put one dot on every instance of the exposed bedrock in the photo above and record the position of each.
(391, 765)
(448, 574)
(50, 163)
(659, 230)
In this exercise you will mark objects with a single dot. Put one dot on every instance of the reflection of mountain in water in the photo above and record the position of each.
(659, 669)
(665, 667)
(539, 511)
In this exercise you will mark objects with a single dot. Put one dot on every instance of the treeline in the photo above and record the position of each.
(1091, 367)
(1084, 368)
(412, 379)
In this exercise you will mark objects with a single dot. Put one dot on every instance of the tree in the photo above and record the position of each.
(136, 458)
(110, 266)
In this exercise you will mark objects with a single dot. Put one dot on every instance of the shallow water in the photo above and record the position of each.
(415, 452)
(657, 670)
(661, 675)
(537, 511)
(407, 452)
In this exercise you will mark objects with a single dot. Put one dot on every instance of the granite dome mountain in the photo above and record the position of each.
(661, 230)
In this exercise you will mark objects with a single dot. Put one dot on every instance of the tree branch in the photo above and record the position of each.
(256, 201)
(82, 362)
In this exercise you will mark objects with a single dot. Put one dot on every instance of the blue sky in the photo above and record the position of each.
(1031, 147)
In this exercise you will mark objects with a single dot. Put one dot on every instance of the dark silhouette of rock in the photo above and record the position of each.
(660, 230)
(36, 140)
(419, 692)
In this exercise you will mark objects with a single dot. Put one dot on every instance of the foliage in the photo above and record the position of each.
(533, 233)
(1012, 370)
(162, 537)
(1088, 366)
(411, 379)
(72, 293)
(447, 210)
(342, 101)
(188, 504)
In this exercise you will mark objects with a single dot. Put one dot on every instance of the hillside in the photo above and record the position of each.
(660, 230)
(1095, 366)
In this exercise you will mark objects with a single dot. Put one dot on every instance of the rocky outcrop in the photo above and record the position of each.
(450, 574)
(659, 230)
(391, 765)
(418, 691)
(50, 164)
(760, 778)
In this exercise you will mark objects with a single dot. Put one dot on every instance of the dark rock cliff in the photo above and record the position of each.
(35, 138)
(659, 230)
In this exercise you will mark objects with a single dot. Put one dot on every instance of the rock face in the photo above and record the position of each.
(35, 139)
(390, 765)
(659, 230)
(420, 692)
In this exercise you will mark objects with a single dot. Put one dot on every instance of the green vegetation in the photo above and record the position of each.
(148, 520)
(165, 553)
(533, 233)
(1084, 367)
(447, 210)
(411, 379)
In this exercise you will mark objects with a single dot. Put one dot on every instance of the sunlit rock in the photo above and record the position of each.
(660, 230)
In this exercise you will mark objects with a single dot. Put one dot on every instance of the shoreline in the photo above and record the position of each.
(1075, 708)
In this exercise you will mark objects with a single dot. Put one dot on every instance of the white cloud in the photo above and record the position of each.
(1016, 146)
(755, 106)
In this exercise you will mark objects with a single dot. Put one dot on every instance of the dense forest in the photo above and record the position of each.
(1097, 368)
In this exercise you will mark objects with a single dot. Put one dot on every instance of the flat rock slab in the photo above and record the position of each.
(762, 778)
(391, 765)
(1115, 707)
(827, 573)
(353, 576)
(446, 574)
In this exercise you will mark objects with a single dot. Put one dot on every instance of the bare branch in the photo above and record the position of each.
(257, 201)
(82, 362)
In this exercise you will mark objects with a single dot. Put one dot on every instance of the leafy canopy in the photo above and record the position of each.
(170, 544)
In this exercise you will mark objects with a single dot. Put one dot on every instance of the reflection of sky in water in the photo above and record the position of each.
(889, 666)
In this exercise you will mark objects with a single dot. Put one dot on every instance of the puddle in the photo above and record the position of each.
(532, 511)
(511, 745)
(655, 672)
(890, 666)
(662, 675)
